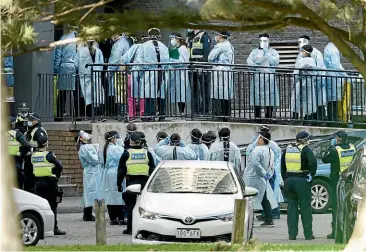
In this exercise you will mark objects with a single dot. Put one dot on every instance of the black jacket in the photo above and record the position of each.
(122, 169)
(331, 157)
(206, 41)
(309, 164)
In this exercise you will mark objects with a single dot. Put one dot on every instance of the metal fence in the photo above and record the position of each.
(207, 92)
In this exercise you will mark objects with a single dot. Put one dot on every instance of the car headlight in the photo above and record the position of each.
(148, 215)
(226, 217)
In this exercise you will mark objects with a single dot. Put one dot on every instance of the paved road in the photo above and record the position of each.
(80, 232)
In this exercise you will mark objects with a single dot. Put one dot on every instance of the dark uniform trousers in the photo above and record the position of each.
(46, 187)
(298, 193)
(333, 181)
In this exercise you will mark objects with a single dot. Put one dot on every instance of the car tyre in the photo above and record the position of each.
(31, 229)
(320, 196)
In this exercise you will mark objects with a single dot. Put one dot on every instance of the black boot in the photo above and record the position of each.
(127, 231)
(58, 232)
(88, 216)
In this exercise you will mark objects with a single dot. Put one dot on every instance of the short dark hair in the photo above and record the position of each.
(266, 137)
(305, 37)
(175, 139)
(263, 35)
(161, 135)
(196, 134)
(224, 133)
(212, 135)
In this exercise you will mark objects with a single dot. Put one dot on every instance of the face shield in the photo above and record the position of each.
(302, 42)
(84, 137)
(264, 42)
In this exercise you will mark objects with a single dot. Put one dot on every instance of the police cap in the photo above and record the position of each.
(341, 134)
(303, 135)
(34, 116)
(135, 137)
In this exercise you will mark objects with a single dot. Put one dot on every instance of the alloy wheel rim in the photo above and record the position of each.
(30, 230)
(320, 197)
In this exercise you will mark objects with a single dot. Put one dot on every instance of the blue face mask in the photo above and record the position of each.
(333, 142)
(119, 142)
(29, 124)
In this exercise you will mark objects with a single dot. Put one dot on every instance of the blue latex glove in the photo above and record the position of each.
(267, 176)
(309, 178)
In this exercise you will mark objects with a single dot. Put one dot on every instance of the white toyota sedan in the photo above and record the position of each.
(189, 201)
(36, 217)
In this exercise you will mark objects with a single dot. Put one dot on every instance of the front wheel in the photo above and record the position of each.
(320, 196)
(30, 229)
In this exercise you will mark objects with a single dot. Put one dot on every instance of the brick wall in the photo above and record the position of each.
(62, 143)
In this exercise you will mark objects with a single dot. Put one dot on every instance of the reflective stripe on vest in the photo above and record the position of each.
(345, 156)
(13, 144)
(196, 52)
(137, 163)
(33, 143)
(41, 167)
(293, 158)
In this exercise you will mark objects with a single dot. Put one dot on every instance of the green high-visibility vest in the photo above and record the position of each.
(13, 144)
(345, 156)
(41, 167)
(293, 158)
(138, 162)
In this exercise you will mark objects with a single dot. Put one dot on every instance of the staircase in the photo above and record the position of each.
(70, 190)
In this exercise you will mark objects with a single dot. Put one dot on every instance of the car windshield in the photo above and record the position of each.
(321, 146)
(193, 180)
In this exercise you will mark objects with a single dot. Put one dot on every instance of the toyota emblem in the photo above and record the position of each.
(188, 220)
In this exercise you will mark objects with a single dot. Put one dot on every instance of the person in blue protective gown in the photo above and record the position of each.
(264, 91)
(91, 84)
(89, 159)
(197, 146)
(320, 81)
(257, 173)
(172, 148)
(303, 98)
(64, 67)
(112, 153)
(225, 150)
(222, 79)
(180, 89)
(276, 179)
(335, 81)
(153, 54)
(115, 92)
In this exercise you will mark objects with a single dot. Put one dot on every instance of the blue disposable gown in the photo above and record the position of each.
(129, 58)
(157, 159)
(332, 61)
(216, 153)
(64, 58)
(277, 166)
(9, 71)
(180, 89)
(261, 161)
(89, 160)
(201, 150)
(83, 57)
(264, 90)
(165, 151)
(119, 48)
(109, 189)
(305, 82)
(222, 79)
(320, 81)
(148, 74)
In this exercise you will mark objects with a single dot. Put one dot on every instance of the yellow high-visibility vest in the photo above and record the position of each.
(41, 167)
(138, 162)
(345, 156)
(196, 52)
(293, 158)
(13, 144)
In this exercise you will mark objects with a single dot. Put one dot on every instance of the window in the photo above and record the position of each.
(288, 53)
(189, 180)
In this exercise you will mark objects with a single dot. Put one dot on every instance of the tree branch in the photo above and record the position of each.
(91, 9)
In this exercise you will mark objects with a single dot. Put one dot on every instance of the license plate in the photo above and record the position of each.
(188, 233)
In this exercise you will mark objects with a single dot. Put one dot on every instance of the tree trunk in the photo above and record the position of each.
(9, 224)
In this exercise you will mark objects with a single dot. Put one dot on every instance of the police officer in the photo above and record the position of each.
(47, 169)
(199, 44)
(136, 165)
(339, 155)
(131, 128)
(22, 120)
(18, 146)
(34, 129)
(298, 167)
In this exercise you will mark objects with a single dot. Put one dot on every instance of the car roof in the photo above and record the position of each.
(195, 164)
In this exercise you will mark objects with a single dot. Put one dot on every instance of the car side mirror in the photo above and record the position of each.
(134, 189)
(250, 192)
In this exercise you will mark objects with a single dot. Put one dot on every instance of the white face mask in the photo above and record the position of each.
(303, 42)
(30, 124)
(173, 42)
(264, 43)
